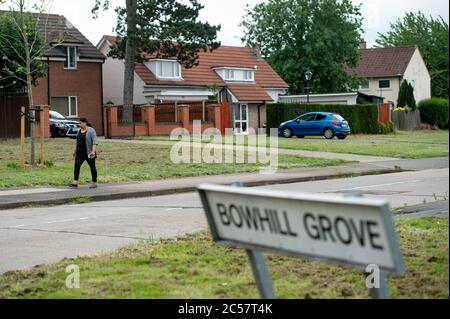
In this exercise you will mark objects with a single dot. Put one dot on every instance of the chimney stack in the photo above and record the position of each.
(257, 50)
(362, 44)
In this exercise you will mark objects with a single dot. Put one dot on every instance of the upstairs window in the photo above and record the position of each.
(168, 69)
(229, 74)
(71, 58)
(364, 84)
(248, 75)
(384, 84)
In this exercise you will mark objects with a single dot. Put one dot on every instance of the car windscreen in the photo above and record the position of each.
(337, 117)
(56, 115)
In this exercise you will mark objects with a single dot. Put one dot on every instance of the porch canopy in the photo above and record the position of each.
(152, 93)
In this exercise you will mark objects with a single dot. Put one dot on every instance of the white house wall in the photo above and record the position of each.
(389, 95)
(275, 93)
(113, 81)
(417, 73)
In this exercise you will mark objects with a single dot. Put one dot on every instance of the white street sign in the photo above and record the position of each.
(352, 231)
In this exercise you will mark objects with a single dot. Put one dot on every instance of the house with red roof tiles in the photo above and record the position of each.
(384, 69)
(243, 78)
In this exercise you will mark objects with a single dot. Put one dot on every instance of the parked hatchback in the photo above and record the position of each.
(328, 125)
(61, 126)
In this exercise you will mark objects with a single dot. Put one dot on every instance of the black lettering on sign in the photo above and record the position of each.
(263, 218)
(308, 227)
(342, 230)
(325, 225)
(250, 217)
(339, 233)
(373, 235)
(238, 222)
(288, 225)
(223, 214)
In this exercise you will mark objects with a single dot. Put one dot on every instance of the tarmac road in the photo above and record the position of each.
(33, 236)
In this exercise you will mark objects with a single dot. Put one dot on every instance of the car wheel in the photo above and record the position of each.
(287, 132)
(300, 136)
(328, 133)
(342, 137)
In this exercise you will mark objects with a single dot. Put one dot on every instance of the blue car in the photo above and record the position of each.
(328, 125)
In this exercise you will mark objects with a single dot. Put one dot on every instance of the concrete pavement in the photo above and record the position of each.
(16, 198)
(31, 236)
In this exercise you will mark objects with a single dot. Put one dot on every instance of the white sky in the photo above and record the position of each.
(377, 15)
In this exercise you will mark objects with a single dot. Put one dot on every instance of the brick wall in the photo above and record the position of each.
(85, 83)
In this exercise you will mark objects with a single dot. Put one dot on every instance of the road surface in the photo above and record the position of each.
(33, 236)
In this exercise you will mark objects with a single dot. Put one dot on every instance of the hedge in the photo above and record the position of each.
(435, 112)
(362, 118)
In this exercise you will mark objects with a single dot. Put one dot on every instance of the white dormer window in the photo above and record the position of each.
(236, 74)
(166, 69)
(229, 74)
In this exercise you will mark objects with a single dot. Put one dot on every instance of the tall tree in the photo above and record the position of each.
(432, 37)
(296, 35)
(406, 96)
(159, 28)
(21, 48)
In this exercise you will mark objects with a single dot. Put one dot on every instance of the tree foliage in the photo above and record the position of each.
(13, 64)
(406, 96)
(432, 37)
(166, 29)
(296, 35)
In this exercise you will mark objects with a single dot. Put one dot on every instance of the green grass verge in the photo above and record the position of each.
(122, 162)
(408, 145)
(194, 267)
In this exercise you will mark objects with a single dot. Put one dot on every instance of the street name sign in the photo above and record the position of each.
(349, 231)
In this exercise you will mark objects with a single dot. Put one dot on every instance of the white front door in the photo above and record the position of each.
(240, 118)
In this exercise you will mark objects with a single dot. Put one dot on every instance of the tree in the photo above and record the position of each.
(161, 29)
(406, 96)
(431, 36)
(21, 48)
(296, 35)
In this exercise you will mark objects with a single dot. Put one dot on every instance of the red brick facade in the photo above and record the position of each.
(85, 83)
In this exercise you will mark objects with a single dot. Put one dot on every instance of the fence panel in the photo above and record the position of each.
(10, 108)
(406, 120)
(165, 113)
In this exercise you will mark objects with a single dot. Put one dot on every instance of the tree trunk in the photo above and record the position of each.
(29, 82)
(130, 51)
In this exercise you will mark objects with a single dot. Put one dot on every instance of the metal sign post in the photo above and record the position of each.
(348, 231)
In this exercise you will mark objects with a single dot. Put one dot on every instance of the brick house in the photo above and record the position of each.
(384, 69)
(244, 79)
(73, 84)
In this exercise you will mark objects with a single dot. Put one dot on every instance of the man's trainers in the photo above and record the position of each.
(73, 185)
(93, 185)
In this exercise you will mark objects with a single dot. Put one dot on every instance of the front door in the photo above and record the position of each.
(240, 118)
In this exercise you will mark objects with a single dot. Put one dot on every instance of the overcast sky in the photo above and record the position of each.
(377, 15)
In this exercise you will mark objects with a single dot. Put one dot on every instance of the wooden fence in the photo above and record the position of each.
(406, 120)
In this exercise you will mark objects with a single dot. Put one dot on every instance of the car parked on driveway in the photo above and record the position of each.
(328, 125)
(61, 126)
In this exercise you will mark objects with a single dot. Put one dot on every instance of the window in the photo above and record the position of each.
(364, 85)
(337, 117)
(168, 69)
(320, 117)
(248, 75)
(71, 58)
(229, 74)
(384, 84)
(307, 117)
(67, 106)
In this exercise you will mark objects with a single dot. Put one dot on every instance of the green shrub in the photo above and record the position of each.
(387, 128)
(12, 165)
(48, 163)
(406, 96)
(434, 112)
(362, 118)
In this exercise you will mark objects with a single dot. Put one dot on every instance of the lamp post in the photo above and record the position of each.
(308, 77)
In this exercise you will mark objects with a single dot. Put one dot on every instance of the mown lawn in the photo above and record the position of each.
(122, 162)
(408, 145)
(194, 267)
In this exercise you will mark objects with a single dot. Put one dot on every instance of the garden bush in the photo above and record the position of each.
(434, 112)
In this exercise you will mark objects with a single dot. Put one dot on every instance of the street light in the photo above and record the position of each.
(308, 77)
